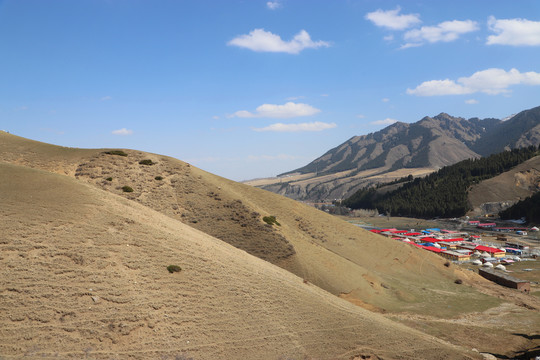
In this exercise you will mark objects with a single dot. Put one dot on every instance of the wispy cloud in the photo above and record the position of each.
(491, 81)
(410, 45)
(106, 98)
(273, 5)
(386, 121)
(122, 132)
(292, 98)
(444, 32)
(385, 100)
(515, 32)
(391, 19)
(288, 110)
(302, 127)
(471, 101)
(361, 116)
(260, 40)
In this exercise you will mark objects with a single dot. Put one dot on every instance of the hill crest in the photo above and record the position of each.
(47, 240)
(429, 144)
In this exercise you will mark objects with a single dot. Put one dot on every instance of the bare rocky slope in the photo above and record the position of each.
(424, 146)
(320, 250)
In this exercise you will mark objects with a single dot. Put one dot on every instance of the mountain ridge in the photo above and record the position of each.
(86, 265)
(429, 144)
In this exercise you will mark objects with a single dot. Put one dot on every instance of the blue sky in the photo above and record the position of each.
(248, 89)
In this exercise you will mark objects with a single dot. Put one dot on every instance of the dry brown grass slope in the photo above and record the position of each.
(341, 258)
(511, 186)
(83, 275)
(368, 270)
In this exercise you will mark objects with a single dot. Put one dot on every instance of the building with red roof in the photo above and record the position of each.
(497, 253)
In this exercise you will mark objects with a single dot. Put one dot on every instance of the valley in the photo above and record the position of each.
(85, 262)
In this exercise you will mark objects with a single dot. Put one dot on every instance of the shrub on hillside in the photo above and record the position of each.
(271, 220)
(127, 189)
(146, 162)
(109, 179)
(159, 178)
(174, 268)
(116, 152)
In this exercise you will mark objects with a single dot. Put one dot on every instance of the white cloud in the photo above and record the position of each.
(122, 132)
(106, 98)
(360, 116)
(273, 5)
(471, 101)
(385, 100)
(439, 87)
(260, 40)
(516, 32)
(410, 45)
(446, 31)
(388, 38)
(495, 81)
(386, 121)
(491, 81)
(215, 117)
(288, 110)
(313, 126)
(391, 19)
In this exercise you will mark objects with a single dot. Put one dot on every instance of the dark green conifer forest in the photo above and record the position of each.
(442, 193)
(528, 208)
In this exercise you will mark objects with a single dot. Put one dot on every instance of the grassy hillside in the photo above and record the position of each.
(99, 288)
(309, 243)
(322, 251)
(507, 188)
(443, 193)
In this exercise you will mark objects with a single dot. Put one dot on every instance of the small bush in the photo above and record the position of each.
(458, 281)
(109, 179)
(174, 268)
(127, 189)
(271, 220)
(447, 264)
(159, 178)
(116, 152)
(146, 162)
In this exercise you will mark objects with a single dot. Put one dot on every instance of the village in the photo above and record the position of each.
(492, 253)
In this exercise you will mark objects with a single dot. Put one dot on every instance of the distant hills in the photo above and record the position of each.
(88, 235)
(401, 149)
(445, 193)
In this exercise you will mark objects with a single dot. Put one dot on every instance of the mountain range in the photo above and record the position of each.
(402, 149)
(88, 236)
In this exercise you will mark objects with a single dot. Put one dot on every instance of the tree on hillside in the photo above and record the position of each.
(443, 193)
